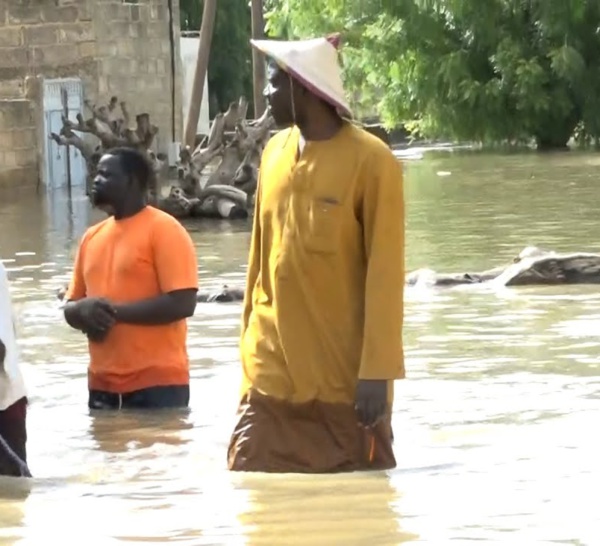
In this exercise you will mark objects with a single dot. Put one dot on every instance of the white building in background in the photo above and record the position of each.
(189, 54)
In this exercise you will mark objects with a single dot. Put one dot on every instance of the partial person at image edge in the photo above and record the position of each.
(321, 341)
(13, 394)
(134, 285)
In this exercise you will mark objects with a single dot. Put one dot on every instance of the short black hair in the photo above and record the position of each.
(135, 164)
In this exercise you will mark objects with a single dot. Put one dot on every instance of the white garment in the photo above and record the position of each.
(12, 385)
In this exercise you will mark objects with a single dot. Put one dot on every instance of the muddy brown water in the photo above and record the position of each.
(495, 425)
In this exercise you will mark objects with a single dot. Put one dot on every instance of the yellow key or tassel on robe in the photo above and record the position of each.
(372, 448)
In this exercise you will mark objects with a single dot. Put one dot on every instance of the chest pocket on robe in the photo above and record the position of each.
(324, 225)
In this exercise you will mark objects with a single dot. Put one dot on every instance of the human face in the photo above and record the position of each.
(279, 95)
(110, 184)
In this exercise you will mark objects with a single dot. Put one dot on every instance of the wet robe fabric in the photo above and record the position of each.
(323, 306)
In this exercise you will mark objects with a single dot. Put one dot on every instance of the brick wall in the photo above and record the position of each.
(134, 60)
(116, 47)
(18, 151)
(37, 37)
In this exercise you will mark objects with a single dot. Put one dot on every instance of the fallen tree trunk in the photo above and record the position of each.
(111, 125)
(216, 180)
(531, 267)
(219, 177)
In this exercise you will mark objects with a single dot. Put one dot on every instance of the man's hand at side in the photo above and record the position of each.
(371, 401)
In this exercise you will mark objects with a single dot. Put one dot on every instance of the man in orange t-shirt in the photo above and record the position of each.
(134, 285)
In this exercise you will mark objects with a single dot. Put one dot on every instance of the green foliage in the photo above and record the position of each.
(230, 62)
(479, 70)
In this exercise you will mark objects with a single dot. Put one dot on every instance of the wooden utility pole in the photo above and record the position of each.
(206, 31)
(64, 97)
(258, 63)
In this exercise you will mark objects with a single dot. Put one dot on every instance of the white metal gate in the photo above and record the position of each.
(62, 168)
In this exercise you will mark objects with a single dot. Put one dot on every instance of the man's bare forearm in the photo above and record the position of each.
(162, 309)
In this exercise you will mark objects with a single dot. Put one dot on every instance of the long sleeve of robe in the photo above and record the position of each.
(253, 261)
(324, 300)
(383, 233)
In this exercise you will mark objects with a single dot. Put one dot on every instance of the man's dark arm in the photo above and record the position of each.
(163, 309)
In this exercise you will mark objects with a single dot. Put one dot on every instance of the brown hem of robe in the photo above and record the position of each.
(274, 435)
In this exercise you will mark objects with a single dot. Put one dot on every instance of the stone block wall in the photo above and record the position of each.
(41, 38)
(133, 48)
(116, 47)
(18, 149)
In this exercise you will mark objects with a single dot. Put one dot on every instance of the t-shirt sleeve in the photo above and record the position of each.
(77, 289)
(174, 256)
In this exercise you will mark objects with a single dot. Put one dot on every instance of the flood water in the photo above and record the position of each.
(495, 425)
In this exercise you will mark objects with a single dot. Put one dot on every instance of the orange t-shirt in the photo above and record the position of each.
(128, 260)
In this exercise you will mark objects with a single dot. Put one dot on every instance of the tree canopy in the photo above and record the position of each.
(489, 71)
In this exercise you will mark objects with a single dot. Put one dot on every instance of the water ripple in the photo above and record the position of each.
(493, 426)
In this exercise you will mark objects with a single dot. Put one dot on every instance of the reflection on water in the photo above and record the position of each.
(494, 427)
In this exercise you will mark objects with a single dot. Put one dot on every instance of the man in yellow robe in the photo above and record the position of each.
(321, 340)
